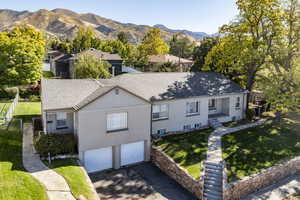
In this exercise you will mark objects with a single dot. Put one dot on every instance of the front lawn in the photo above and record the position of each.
(27, 110)
(249, 151)
(75, 177)
(15, 182)
(187, 149)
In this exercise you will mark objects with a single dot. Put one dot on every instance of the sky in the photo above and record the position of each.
(195, 15)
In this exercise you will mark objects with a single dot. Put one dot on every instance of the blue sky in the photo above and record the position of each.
(195, 15)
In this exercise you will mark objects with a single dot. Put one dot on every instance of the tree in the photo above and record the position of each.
(200, 52)
(89, 66)
(164, 67)
(261, 48)
(21, 58)
(181, 47)
(248, 40)
(153, 44)
(85, 39)
(282, 82)
(123, 37)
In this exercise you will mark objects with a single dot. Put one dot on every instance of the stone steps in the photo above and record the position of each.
(214, 123)
(213, 181)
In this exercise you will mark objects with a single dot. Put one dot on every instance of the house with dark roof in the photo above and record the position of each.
(114, 119)
(63, 66)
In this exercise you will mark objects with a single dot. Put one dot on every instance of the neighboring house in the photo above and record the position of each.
(63, 66)
(184, 64)
(114, 118)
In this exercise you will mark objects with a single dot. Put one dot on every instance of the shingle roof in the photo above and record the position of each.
(57, 94)
(168, 58)
(174, 85)
(65, 93)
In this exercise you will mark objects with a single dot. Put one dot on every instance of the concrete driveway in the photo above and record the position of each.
(143, 181)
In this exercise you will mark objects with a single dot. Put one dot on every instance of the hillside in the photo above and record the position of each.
(63, 22)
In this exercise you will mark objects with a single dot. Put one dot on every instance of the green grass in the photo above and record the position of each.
(27, 110)
(15, 182)
(187, 149)
(75, 177)
(249, 151)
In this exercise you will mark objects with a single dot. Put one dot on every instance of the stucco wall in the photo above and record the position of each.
(250, 184)
(178, 118)
(92, 132)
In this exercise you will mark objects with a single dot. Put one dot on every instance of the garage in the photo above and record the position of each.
(132, 153)
(98, 159)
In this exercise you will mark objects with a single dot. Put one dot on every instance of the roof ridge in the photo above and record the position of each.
(98, 82)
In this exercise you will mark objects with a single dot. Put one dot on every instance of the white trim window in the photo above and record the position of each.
(192, 108)
(160, 111)
(116, 121)
(238, 103)
(61, 120)
(212, 104)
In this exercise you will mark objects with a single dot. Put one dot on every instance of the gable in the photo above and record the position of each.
(115, 98)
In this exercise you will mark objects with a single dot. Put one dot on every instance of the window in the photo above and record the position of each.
(212, 104)
(160, 111)
(116, 121)
(61, 120)
(161, 131)
(192, 108)
(196, 126)
(187, 127)
(238, 103)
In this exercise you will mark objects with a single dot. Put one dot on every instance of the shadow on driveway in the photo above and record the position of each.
(142, 181)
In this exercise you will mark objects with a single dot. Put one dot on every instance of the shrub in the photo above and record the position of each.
(56, 144)
(31, 93)
(250, 114)
(8, 93)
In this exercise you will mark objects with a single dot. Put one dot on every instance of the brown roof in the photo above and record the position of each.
(168, 58)
(100, 54)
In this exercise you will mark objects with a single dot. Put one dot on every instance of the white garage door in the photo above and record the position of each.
(98, 159)
(132, 153)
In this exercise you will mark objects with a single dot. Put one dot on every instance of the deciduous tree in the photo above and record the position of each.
(21, 58)
(89, 66)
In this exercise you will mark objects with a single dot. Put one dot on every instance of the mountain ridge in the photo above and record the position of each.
(61, 22)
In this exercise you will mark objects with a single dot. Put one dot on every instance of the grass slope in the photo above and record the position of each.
(27, 110)
(249, 151)
(75, 177)
(15, 182)
(187, 149)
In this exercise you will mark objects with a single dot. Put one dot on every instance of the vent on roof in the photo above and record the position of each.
(116, 91)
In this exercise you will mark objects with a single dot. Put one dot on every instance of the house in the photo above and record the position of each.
(63, 65)
(184, 64)
(114, 119)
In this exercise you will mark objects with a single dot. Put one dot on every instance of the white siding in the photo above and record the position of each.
(177, 113)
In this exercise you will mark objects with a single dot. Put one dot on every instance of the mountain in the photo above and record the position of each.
(197, 35)
(64, 23)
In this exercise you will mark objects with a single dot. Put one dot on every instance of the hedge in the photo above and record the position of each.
(56, 144)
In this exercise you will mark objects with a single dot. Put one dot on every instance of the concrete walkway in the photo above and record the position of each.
(214, 153)
(56, 186)
(278, 191)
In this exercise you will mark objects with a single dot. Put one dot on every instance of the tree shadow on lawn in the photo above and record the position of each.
(187, 149)
(249, 151)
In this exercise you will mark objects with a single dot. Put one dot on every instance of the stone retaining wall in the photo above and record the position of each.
(250, 184)
(179, 174)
